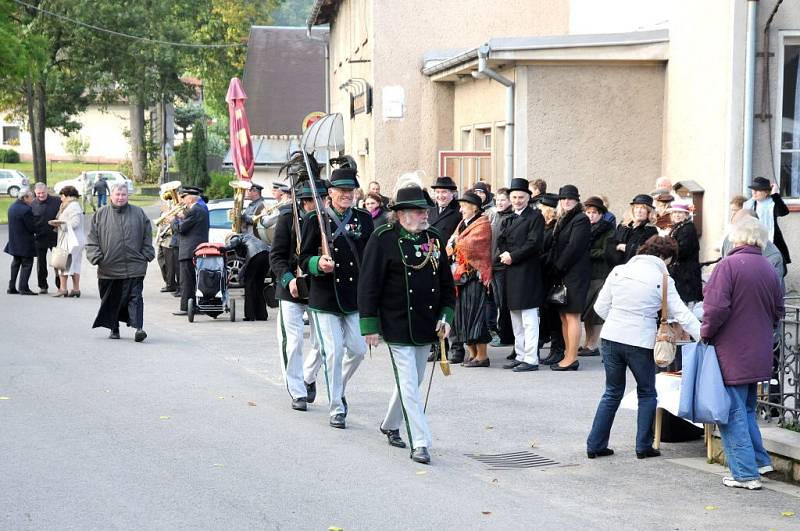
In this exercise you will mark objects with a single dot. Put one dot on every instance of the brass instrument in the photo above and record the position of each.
(169, 192)
(235, 213)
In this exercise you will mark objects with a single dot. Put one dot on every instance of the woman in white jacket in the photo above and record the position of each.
(629, 303)
(72, 239)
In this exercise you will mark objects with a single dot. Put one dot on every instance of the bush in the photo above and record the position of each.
(77, 147)
(219, 189)
(9, 155)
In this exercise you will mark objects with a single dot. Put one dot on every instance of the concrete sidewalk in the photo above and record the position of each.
(193, 429)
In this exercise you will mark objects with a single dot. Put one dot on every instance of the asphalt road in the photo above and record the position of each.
(193, 430)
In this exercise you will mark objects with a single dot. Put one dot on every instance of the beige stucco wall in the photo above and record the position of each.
(103, 128)
(399, 33)
(598, 127)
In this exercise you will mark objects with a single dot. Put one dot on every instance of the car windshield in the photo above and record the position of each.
(218, 218)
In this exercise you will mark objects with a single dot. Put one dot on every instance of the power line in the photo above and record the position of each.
(125, 35)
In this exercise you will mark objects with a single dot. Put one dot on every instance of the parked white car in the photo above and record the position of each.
(85, 181)
(12, 181)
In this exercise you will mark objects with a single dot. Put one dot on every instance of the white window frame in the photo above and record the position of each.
(793, 38)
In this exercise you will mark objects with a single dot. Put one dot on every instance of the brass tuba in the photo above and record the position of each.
(169, 192)
(235, 214)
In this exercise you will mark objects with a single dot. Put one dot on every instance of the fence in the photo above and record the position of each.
(779, 400)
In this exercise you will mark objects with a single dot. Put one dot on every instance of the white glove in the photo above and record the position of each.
(443, 329)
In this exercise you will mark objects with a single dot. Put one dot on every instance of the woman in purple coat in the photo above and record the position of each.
(743, 305)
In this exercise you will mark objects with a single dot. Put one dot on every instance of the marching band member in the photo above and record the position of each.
(191, 225)
(255, 206)
(292, 294)
(407, 295)
(334, 278)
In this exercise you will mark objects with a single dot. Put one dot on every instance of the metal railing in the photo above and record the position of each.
(779, 399)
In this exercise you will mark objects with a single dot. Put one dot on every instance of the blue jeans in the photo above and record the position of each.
(616, 358)
(101, 200)
(741, 437)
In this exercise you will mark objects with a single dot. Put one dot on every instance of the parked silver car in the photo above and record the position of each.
(12, 181)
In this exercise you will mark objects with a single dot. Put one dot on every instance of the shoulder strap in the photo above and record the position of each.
(664, 298)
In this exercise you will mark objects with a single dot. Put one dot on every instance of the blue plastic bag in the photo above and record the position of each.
(703, 395)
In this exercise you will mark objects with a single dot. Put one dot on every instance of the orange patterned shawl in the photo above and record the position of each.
(473, 250)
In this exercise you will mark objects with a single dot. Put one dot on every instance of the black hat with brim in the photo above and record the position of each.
(548, 200)
(518, 184)
(254, 186)
(471, 198)
(444, 182)
(643, 199)
(190, 190)
(760, 183)
(412, 197)
(344, 178)
(569, 191)
(595, 202)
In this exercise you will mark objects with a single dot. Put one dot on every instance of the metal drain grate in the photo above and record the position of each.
(513, 460)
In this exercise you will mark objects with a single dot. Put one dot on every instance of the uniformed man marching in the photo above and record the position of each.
(256, 206)
(192, 229)
(292, 292)
(407, 295)
(334, 279)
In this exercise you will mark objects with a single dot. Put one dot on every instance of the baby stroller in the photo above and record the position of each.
(211, 295)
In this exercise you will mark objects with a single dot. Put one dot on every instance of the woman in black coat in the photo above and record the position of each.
(570, 259)
(685, 270)
(602, 232)
(549, 317)
(637, 227)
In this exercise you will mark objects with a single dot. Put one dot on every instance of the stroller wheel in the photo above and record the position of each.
(233, 310)
(190, 310)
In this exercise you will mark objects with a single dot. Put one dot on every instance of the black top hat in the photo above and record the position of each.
(550, 200)
(411, 197)
(643, 199)
(344, 178)
(760, 183)
(569, 191)
(472, 198)
(190, 190)
(518, 184)
(444, 182)
(595, 202)
(303, 189)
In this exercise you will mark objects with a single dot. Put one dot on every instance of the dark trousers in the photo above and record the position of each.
(550, 328)
(188, 283)
(504, 328)
(617, 357)
(168, 263)
(255, 304)
(41, 267)
(20, 266)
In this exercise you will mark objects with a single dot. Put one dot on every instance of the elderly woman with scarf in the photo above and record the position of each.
(637, 227)
(570, 259)
(471, 246)
(769, 206)
(601, 233)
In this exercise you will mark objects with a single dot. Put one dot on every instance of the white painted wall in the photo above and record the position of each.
(616, 16)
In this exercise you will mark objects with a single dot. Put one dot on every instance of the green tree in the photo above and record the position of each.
(186, 114)
(292, 12)
(199, 155)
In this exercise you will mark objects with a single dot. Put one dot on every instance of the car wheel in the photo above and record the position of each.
(13, 191)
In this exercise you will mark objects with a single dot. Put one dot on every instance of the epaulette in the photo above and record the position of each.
(386, 227)
(310, 215)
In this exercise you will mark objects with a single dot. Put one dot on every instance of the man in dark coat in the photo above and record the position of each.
(291, 290)
(334, 280)
(120, 245)
(768, 205)
(45, 208)
(252, 273)
(519, 246)
(446, 215)
(21, 245)
(407, 295)
(192, 229)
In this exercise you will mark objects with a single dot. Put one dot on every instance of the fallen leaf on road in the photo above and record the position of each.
(5, 398)
(421, 472)
(218, 465)
(335, 529)
(221, 397)
(533, 444)
(788, 514)
(495, 480)
(486, 512)
(163, 417)
(489, 427)
(711, 507)
(251, 403)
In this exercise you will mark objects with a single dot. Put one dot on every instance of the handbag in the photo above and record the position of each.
(704, 398)
(59, 259)
(664, 349)
(558, 294)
